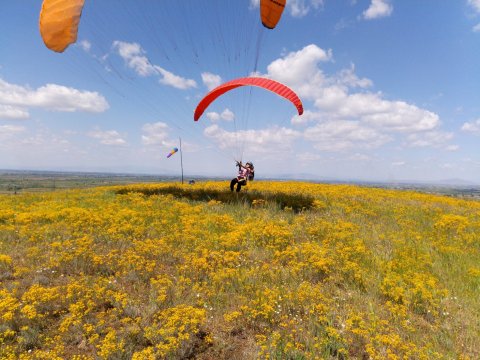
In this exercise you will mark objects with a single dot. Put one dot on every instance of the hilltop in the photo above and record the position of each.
(284, 270)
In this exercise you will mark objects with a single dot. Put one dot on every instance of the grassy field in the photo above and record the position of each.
(284, 270)
(15, 182)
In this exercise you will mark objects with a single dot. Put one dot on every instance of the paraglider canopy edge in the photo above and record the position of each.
(265, 83)
(268, 27)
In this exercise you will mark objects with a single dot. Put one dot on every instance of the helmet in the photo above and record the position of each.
(249, 164)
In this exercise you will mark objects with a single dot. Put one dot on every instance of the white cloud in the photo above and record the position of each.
(134, 57)
(308, 157)
(343, 100)
(269, 140)
(155, 134)
(473, 127)
(429, 139)
(61, 98)
(359, 157)
(452, 148)
(46, 140)
(7, 131)
(347, 77)
(13, 113)
(372, 109)
(306, 117)
(51, 97)
(226, 115)
(475, 4)
(298, 8)
(342, 24)
(300, 69)
(378, 9)
(343, 135)
(85, 45)
(211, 81)
(399, 116)
(175, 80)
(213, 116)
(398, 163)
(109, 137)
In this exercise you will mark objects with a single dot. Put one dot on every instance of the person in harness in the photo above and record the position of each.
(245, 173)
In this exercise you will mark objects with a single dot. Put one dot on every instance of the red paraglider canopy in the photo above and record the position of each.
(267, 84)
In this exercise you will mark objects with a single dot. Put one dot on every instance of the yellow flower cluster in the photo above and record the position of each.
(281, 270)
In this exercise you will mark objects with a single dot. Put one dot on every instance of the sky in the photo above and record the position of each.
(390, 89)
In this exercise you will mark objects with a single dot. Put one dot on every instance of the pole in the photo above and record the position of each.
(181, 158)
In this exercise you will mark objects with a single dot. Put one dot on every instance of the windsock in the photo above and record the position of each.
(173, 151)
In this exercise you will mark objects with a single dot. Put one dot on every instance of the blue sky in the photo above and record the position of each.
(390, 89)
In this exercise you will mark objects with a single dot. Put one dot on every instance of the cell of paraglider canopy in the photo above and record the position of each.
(264, 83)
(271, 12)
(59, 21)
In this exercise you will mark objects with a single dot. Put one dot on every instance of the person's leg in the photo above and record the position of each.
(232, 183)
(240, 183)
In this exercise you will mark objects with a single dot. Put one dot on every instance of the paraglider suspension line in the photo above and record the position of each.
(181, 157)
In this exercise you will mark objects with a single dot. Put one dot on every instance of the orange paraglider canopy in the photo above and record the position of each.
(271, 11)
(59, 22)
(267, 84)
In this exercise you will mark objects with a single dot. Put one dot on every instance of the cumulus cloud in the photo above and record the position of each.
(429, 139)
(261, 141)
(176, 81)
(452, 148)
(378, 9)
(343, 135)
(296, 68)
(226, 115)
(347, 77)
(343, 104)
(472, 127)
(7, 131)
(308, 157)
(399, 116)
(359, 157)
(155, 134)
(108, 137)
(475, 4)
(13, 113)
(254, 3)
(135, 58)
(211, 81)
(306, 117)
(47, 140)
(300, 8)
(14, 99)
(85, 45)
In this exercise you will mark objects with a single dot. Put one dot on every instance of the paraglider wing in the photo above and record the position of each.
(271, 12)
(267, 84)
(173, 151)
(59, 22)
